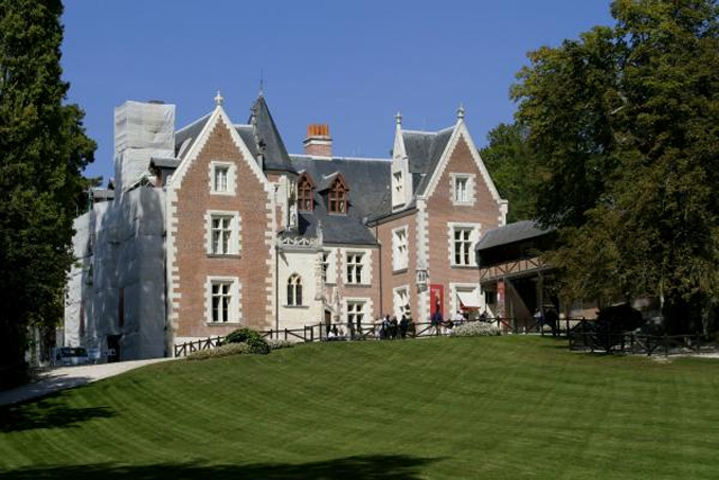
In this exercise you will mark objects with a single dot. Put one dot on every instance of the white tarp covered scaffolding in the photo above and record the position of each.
(116, 290)
(142, 131)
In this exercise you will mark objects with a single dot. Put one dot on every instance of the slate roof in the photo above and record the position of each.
(514, 232)
(186, 136)
(267, 139)
(368, 181)
(160, 162)
(424, 150)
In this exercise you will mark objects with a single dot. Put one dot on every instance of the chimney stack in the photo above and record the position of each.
(318, 142)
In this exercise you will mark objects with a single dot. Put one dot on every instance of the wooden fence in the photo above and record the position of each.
(640, 344)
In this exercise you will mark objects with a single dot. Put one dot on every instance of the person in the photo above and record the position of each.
(393, 327)
(552, 319)
(385, 327)
(359, 326)
(403, 326)
(350, 329)
(539, 319)
(483, 317)
(458, 318)
(436, 322)
(332, 335)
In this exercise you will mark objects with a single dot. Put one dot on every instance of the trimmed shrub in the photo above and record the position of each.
(258, 345)
(476, 329)
(242, 335)
(222, 351)
(277, 344)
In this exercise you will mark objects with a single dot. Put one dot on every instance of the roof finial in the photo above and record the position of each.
(460, 112)
(219, 99)
(398, 118)
(262, 82)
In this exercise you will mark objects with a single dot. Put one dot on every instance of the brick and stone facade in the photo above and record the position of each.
(376, 236)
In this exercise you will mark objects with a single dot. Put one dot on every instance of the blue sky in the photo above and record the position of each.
(350, 64)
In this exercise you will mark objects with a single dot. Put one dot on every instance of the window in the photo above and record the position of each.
(462, 188)
(354, 267)
(400, 257)
(221, 234)
(338, 198)
(221, 301)
(401, 302)
(294, 290)
(222, 178)
(325, 265)
(305, 202)
(462, 245)
(355, 311)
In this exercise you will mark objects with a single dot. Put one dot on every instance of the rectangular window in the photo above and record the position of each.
(220, 178)
(325, 265)
(221, 234)
(401, 302)
(355, 312)
(460, 190)
(354, 267)
(462, 246)
(221, 301)
(400, 257)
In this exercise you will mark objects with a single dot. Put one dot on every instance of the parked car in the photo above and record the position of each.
(67, 356)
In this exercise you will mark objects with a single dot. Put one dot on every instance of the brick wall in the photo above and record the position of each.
(392, 279)
(441, 211)
(252, 266)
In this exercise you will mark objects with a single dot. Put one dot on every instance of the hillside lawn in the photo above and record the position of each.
(485, 407)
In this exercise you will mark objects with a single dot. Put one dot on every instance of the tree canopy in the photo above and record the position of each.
(515, 169)
(43, 149)
(625, 119)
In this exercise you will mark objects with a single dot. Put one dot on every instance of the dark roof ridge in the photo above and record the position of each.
(335, 157)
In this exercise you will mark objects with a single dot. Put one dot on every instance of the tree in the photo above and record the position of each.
(626, 121)
(43, 149)
(514, 168)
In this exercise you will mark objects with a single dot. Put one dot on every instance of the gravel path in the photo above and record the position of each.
(68, 377)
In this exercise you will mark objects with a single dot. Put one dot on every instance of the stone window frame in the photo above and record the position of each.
(400, 260)
(397, 308)
(234, 316)
(366, 310)
(294, 291)
(470, 189)
(235, 242)
(329, 266)
(231, 174)
(355, 270)
(475, 229)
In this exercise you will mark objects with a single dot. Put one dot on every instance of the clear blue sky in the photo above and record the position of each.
(350, 64)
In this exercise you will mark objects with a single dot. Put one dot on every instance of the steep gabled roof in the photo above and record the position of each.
(267, 140)
(186, 136)
(424, 150)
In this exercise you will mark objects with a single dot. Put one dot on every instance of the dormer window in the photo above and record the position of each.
(305, 198)
(338, 196)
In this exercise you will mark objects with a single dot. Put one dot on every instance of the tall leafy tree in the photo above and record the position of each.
(43, 149)
(627, 119)
(515, 169)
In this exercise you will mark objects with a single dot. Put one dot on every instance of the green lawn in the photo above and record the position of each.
(490, 408)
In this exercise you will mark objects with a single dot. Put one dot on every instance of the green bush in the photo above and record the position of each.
(242, 335)
(476, 329)
(222, 351)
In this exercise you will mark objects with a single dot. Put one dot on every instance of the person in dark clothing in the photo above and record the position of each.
(403, 326)
(552, 319)
(393, 327)
(437, 321)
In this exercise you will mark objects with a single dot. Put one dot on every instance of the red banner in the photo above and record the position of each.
(436, 299)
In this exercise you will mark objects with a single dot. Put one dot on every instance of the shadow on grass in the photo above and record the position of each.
(47, 414)
(392, 467)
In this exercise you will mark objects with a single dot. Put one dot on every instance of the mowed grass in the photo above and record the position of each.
(490, 408)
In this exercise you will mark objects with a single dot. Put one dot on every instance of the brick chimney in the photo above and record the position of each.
(318, 142)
